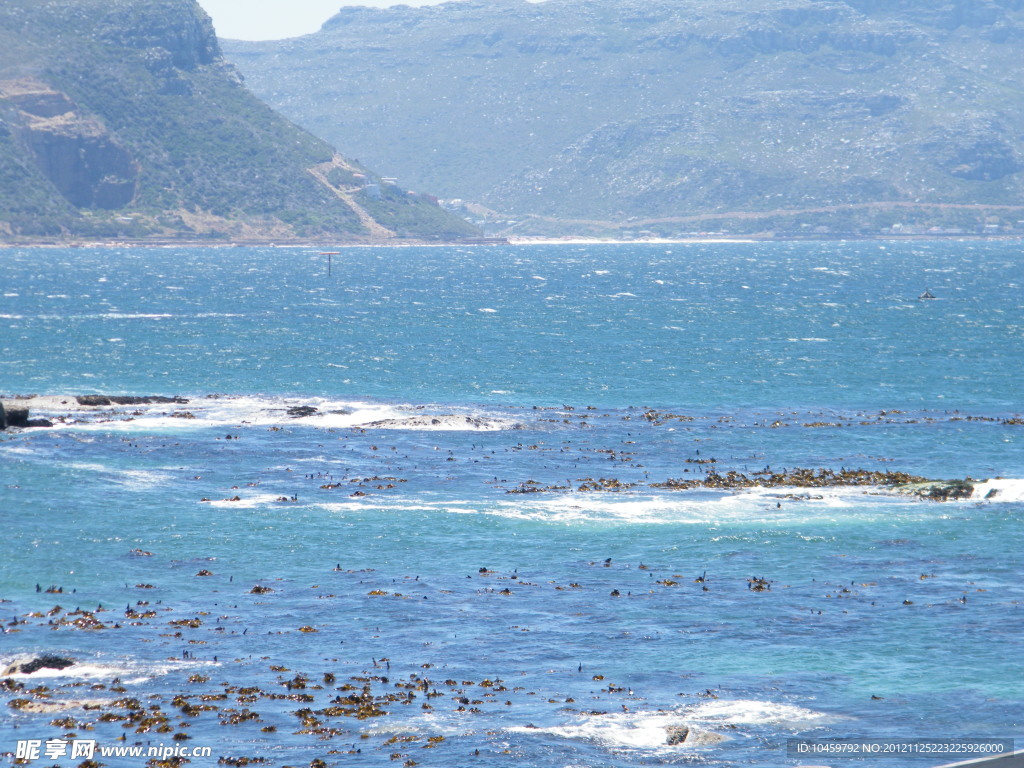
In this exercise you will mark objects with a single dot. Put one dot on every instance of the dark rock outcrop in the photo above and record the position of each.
(676, 734)
(46, 661)
(105, 400)
(302, 411)
(441, 422)
(16, 416)
(187, 38)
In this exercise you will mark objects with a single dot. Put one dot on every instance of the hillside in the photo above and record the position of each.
(121, 119)
(674, 115)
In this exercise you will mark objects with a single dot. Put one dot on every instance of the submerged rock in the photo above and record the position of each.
(938, 490)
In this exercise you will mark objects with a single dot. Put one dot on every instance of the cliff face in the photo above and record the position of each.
(120, 118)
(615, 109)
(76, 153)
(181, 34)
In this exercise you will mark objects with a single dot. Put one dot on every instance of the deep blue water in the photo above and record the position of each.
(548, 367)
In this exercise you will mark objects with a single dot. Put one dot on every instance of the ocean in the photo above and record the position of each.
(471, 506)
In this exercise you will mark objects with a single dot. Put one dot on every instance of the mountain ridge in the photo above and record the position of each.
(614, 110)
(122, 120)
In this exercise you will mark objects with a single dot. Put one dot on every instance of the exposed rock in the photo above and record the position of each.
(302, 411)
(93, 400)
(105, 400)
(51, 707)
(676, 734)
(15, 415)
(938, 490)
(449, 421)
(3, 418)
(691, 737)
(148, 400)
(46, 661)
(798, 478)
(186, 38)
(83, 161)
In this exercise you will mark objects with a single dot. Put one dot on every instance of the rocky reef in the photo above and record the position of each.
(938, 490)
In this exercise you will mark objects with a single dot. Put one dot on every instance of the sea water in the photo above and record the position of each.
(469, 529)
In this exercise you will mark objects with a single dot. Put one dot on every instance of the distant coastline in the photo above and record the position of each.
(520, 240)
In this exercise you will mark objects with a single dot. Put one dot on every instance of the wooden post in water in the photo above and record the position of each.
(329, 254)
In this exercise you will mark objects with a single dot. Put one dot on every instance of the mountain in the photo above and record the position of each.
(121, 119)
(675, 115)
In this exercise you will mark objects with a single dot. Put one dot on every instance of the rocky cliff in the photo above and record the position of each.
(76, 153)
(848, 114)
(121, 119)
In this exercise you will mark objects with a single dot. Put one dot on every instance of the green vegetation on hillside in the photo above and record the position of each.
(120, 118)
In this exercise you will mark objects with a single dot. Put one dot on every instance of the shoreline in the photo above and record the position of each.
(522, 240)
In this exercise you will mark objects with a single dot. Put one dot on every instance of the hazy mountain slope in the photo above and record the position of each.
(610, 109)
(120, 118)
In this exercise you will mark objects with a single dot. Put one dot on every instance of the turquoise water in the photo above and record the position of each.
(544, 367)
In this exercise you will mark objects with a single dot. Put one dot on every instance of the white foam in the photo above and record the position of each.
(85, 671)
(647, 730)
(633, 730)
(719, 712)
(129, 672)
(696, 507)
(127, 478)
(19, 450)
(1001, 489)
(88, 466)
(242, 411)
(134, 316)
(246, 502)
(705, 507)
